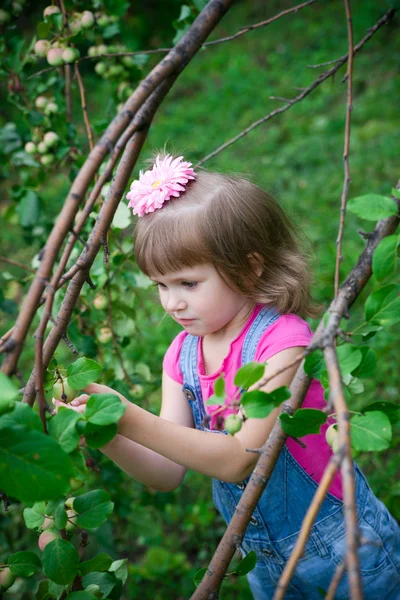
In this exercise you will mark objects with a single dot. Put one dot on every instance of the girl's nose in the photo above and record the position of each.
(174, 303)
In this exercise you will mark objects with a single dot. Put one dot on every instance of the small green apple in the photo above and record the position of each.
(46, 537)
(331, 434)
(100, 302)
(42, 148)
(63, 391)
(50, 10)
(233, 424)
(6, 579)
(42, 47)
(47, 159)
(51, 108)
(87, 19)
(105, 335)
(50, 138)
(30, 148)
(54, 57)
(41, 102)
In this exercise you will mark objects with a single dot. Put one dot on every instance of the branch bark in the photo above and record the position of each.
(348, 293)
(172, 64)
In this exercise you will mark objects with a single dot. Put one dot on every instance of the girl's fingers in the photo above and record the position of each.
(82, 399)
(80, 408)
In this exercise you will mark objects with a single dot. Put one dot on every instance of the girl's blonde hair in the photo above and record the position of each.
(233, 224)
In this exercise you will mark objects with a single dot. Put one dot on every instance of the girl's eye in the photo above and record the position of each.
(189, 284)
(160, 285)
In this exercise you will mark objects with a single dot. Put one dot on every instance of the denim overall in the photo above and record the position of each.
(277, 518)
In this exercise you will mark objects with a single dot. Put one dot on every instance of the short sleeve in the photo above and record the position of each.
(287, 331)
(171, 358)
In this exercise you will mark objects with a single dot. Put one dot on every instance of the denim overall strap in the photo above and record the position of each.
(264, 319)
(226, 496)
(191, 383)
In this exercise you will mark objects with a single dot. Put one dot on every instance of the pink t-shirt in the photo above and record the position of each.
(287, 331)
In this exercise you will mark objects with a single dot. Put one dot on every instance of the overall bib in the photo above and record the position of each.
(277, 518)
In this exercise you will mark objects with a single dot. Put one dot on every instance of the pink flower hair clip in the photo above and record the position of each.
(167, 179)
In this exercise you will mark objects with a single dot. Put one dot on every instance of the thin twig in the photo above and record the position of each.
(117, 351)
(346, 151)
(14, 263)
(68, 98)
(334, 584)
(323, 487)
(241, 31)
(325, 64)
(385, 19)
(347, 470)
(84, 106)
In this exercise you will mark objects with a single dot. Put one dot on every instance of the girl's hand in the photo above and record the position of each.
(79, 404)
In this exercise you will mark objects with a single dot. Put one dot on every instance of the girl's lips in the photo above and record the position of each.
(185, 321)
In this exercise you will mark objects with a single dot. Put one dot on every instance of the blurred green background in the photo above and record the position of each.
(297, 156)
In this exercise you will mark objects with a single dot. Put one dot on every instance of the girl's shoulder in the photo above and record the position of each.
(171, 358)
(287, 331)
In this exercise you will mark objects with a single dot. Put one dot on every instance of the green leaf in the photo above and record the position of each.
(97, 436)
(28, 209)
(249, 374)
(101, 562)
(303, 422)
(353, 385)
(385, 257)
(60, 515)
(104, 409)
(383, 305)
(63, 428)
(93, 508)
(122, 217)
(43, 30)
(23, 415)
(366, 331)
(372, 207)
(8, 393)
(120, 569)
(247, 564)
(43, 591)
(60, 561)
(219, 388)
(32, 465)
(34, 516)
(314, 364)
(349, 358)
(258, 404)
(215, 400)
(105, 581)
(24, 564)
(392, 411)
(198, 576)
(82, 372)
(370, 432)
(80, 596)
(367, 367)
(56, 591)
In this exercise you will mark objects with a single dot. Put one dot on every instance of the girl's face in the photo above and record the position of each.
(199, 299)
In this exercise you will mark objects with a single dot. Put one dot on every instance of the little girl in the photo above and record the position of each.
(228, 268)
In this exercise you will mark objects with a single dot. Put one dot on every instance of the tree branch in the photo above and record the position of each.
(172, 64)
(305, 92)
(346, 151)
(319, 497)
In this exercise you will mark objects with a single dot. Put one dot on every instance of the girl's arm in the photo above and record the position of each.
(220, 456)
(140, 463)
(152, 447)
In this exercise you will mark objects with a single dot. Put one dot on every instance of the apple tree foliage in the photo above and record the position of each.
(53, 475)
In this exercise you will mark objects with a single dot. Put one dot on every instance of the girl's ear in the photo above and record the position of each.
(257, 263)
